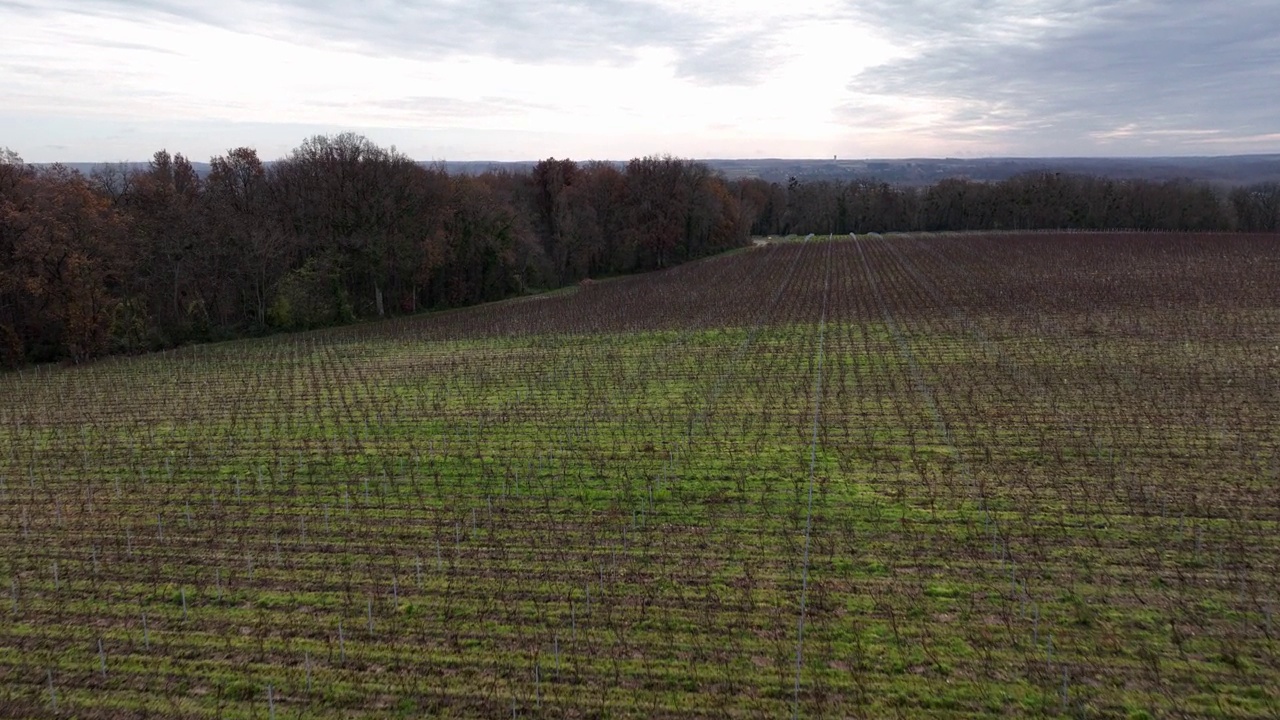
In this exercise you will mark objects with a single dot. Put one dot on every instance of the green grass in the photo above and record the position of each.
(573, 524)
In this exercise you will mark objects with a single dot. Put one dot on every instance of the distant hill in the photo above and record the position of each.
(1221, 170)
(86, 168)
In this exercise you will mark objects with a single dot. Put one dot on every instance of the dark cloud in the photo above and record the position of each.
(1123, 74)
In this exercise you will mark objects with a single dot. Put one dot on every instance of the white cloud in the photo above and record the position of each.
(508, 79)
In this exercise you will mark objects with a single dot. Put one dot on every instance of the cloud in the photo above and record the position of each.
(739, 60)
(121, 9)
(1122, 75)
(140, 47)
(603, 31)
(573, 32)
(437, 109)
(810, 77)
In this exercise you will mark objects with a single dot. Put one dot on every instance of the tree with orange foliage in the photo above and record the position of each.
(60, 250)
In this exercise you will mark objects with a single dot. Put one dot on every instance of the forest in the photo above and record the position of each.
(126, 260)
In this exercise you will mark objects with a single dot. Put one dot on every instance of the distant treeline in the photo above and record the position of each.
(1034, 201)
(126, 259)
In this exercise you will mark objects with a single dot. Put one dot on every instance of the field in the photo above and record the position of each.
(910, 476)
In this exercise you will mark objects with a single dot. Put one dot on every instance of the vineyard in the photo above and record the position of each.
(909, 475)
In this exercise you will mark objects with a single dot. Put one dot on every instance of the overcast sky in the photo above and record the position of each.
(105, 80)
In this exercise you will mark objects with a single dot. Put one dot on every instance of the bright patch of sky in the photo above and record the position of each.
(101, 80)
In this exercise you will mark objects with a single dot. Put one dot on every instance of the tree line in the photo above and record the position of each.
(1031, 201)
(126, 260)
(133, 259)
